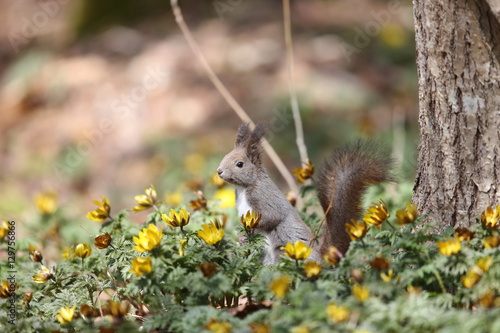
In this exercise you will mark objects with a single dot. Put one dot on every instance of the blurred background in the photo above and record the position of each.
(104, 98)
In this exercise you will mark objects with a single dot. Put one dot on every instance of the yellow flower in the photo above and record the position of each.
(5, 289)
(387, 277)
(212, 233)
(43, 275)
(66, 314)
(300, 329)
(378, 214)
(4, 229)
(406, 216)
(470, 278)
(27, 298)
(216, 326)
(333, 255)
(175, 219)
(173, 199)
(393, 35)
(259, 328)
(141, 265)
(484, 263)
(103, 241)
(217, 181)
(489, 299)
(46, 202)
(67, 253)
(449, 246)
(305, 172)
(100, 214)
(182, 245)
(360, 293)
(194, 163)
(492, 241)
(337, 314)
(298, 251)
(82, 250)
(474, 274)
(464, 234)
(312, 269)
(250, 220)
(226, 197)
(116, 309)
(148, 239)
(356, 230)
(413, 290)
(88, 312)
(145, 201)
(490, 216)
(280, 286)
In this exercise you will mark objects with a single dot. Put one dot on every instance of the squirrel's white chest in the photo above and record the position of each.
(241, 201)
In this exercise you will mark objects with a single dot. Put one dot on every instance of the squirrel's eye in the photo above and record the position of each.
(239, 164)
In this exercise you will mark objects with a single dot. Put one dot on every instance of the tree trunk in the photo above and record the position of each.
(458, 62)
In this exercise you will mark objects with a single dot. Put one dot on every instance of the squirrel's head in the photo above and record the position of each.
(242, 165)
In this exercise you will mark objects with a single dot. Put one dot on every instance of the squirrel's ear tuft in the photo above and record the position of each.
(242, 136)
(253, 145)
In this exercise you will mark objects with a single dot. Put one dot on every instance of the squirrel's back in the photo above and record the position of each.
(342, 182)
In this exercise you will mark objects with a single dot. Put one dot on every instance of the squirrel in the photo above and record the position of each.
(342, 181)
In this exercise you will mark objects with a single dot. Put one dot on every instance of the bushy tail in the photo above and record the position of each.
(342, 182)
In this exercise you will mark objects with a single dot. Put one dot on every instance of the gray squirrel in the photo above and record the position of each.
(342, 181)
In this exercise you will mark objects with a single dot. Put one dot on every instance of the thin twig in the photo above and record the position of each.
(227, 95)
(315, 238)
(291, 83)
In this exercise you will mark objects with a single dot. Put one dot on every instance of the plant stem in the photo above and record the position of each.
(436, 274)
(291, 83)
(390, 225)
(315, 238)
(362, 242)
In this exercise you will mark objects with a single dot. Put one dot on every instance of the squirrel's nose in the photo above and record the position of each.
(219, 171)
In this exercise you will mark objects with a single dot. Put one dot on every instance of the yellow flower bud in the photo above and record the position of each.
(360, 293)
(280, 286)
(337, 314)
(46, 202)
(82, 250)
(145, 201)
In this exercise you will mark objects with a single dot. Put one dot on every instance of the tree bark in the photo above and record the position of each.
(458, 62)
